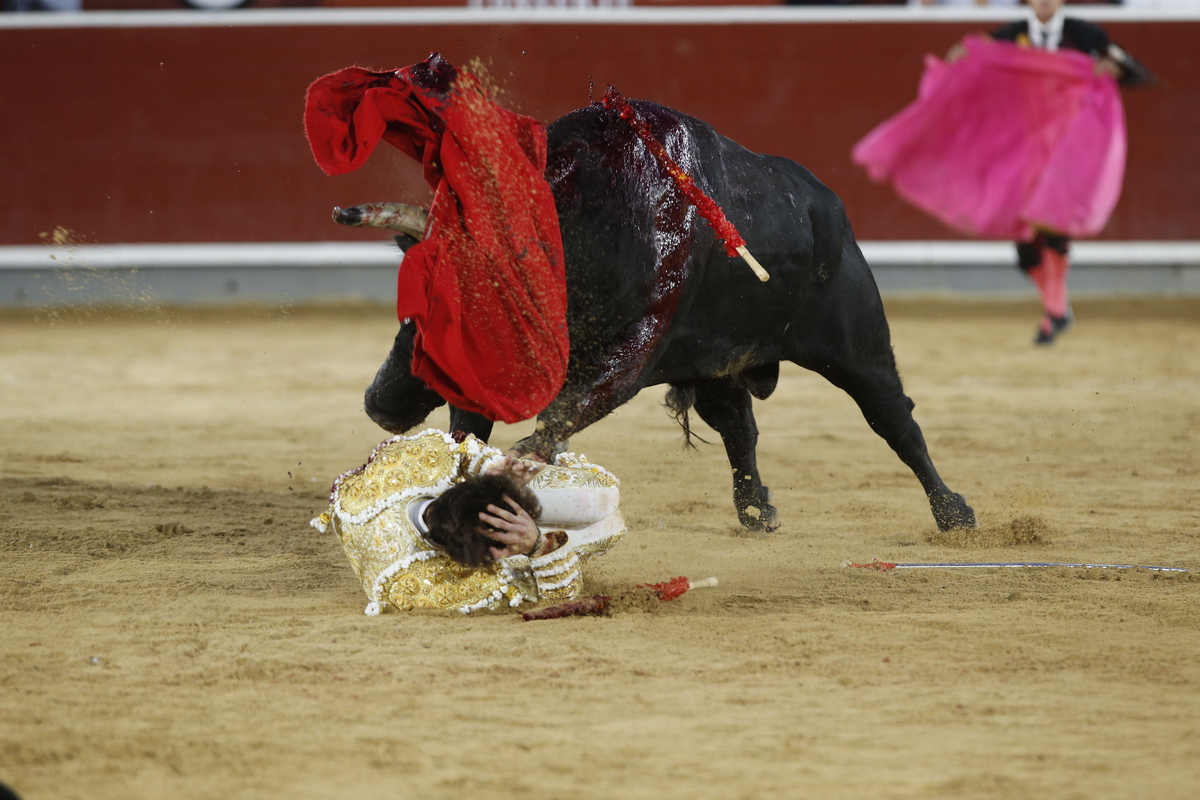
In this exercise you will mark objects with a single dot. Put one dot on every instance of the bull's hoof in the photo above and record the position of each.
(542, 448)
(951, 511)
(763, 517)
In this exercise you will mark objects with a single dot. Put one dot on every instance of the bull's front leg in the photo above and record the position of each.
(578, 405)
(463, 423)
(727, 409)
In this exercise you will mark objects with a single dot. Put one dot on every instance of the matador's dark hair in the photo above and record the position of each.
(453, 518)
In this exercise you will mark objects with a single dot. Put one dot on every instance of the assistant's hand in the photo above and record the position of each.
(956, 51)
(1108, 66)
(515, 532)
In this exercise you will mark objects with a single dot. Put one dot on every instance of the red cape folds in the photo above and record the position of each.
(1006, 140)
(487, 287)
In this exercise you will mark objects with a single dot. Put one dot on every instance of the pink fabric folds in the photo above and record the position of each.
(1006, 140)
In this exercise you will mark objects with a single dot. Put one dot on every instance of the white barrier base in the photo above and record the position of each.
(147, 274)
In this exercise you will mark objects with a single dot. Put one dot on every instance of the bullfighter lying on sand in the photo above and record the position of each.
(429, 522)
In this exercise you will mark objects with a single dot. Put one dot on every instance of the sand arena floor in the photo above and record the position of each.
(171, 627)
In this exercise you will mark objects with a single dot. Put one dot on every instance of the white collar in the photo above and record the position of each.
(416, 514)
(1046, 36)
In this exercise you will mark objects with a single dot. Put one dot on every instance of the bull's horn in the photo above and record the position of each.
(393, 216)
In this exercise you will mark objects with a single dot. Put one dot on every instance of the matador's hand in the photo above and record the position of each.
(519, 470)
(512, 528)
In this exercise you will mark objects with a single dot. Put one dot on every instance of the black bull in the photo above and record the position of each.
(653, 298)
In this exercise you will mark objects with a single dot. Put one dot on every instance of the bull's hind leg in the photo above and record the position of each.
(727, 408)
(880, 396)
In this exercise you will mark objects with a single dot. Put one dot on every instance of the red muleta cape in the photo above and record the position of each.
(486, 287)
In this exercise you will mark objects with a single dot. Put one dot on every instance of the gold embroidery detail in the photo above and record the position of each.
(395, 466)
(439, 583)
(579, 474)
(588, 550)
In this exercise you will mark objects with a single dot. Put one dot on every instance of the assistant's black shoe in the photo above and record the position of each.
(1051, 326)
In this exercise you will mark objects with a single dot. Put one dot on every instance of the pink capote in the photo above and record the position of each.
(1006, 140)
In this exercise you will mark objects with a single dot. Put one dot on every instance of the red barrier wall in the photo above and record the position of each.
(176, 134)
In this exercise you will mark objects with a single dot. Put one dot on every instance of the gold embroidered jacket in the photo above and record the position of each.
(369, 512)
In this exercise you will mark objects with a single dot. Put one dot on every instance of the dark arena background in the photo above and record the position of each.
(185, 337)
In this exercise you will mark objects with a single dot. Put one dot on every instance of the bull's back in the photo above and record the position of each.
(635, 244)
(793, 225)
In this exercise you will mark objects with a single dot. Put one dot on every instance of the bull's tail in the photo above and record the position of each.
(679, 401)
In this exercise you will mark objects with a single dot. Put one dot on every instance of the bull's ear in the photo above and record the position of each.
(404, 241)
